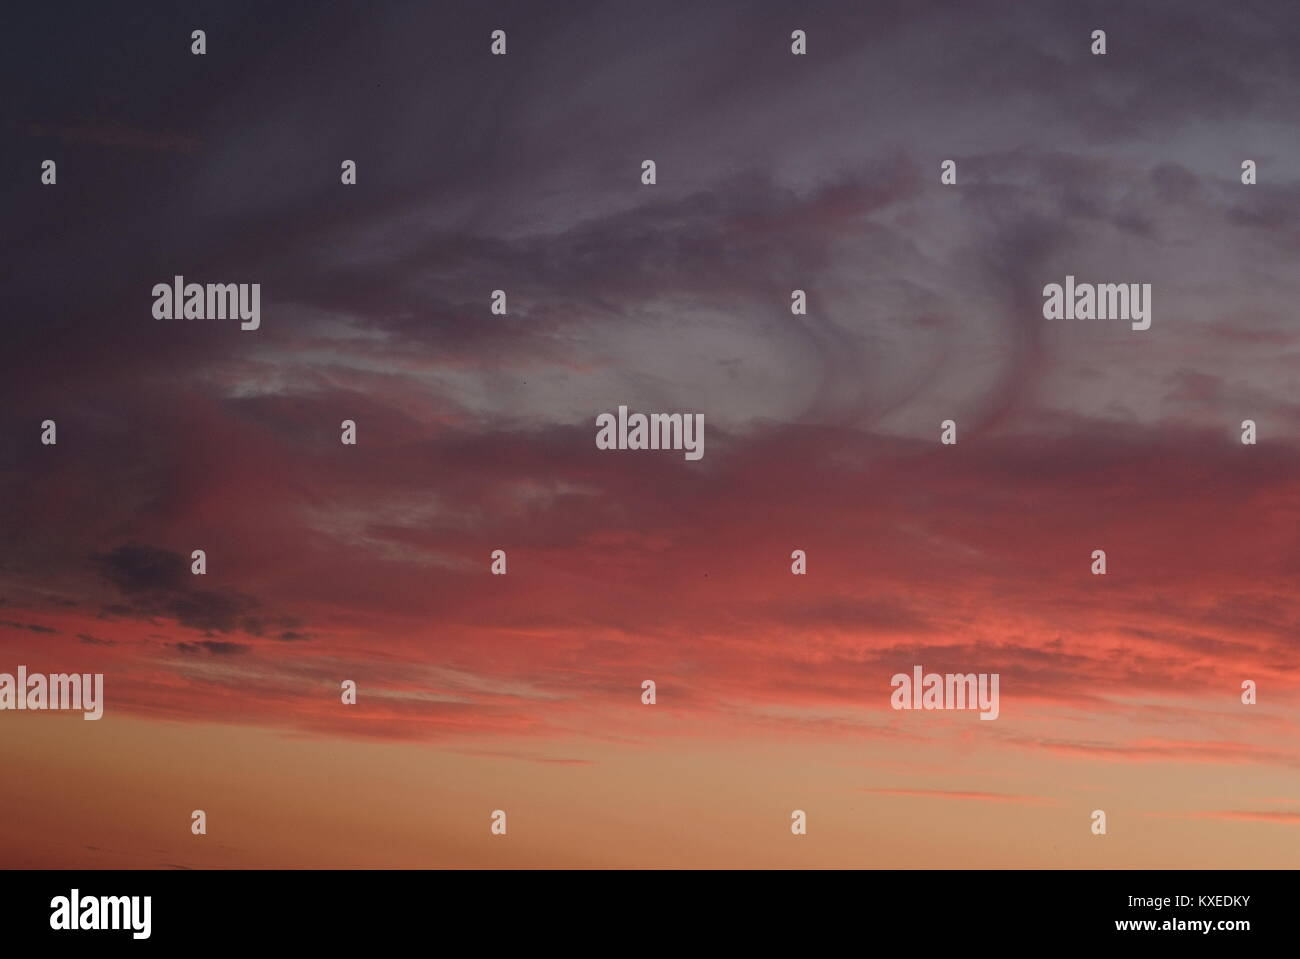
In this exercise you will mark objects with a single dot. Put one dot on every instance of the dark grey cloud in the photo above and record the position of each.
(214, 647)
(30, 627)
(156, 582)
(95, 640)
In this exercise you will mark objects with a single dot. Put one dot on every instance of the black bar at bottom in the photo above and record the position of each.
(661, 911)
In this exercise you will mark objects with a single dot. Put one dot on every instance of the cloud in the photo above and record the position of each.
(1290, 818)
(1157, 750)
(1272, 816)
(94, 640)
(476, 431)
(215, 647)
(960, 794)
(158, 583)
(31, 627)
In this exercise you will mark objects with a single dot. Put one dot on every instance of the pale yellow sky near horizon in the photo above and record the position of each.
(118, 794)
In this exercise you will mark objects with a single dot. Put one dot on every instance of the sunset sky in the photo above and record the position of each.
(477, 432)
